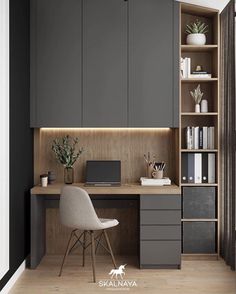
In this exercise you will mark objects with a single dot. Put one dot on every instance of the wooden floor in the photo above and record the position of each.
(195, 277)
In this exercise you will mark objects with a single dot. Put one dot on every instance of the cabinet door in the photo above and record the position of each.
(153, 70)
(105, 63)
(56, 63)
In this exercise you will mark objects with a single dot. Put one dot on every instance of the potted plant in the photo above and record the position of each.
(197, 97)
(196, 33)
(66, 153)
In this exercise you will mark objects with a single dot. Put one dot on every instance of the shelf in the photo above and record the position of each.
(198, 113)
(191, 80)
(198, 185)
(195, 48)
(199, 256)
(199, 150)
(199, 220)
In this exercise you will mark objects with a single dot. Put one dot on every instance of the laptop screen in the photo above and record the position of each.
(103, 172)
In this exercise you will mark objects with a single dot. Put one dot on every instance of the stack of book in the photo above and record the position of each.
(200, 137)
(198, 168)
(185, 71)
(155, 182)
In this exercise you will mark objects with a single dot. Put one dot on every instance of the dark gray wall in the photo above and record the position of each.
(21, 146)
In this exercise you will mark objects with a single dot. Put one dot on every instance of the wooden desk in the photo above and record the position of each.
(41, 198)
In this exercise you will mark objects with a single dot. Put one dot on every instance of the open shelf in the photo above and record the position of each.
(198, 185)
(199, 150)
(199, 113)
(193, 80)
(197, 48)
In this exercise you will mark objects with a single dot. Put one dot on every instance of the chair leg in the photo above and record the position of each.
(109, 247)
(84, 244)
(93, 255)
(66, 253)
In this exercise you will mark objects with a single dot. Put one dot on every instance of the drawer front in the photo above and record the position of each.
(199, 237)
(199, 202)
(160, 232)
(160, 202)
(160, 252)
(160, 217)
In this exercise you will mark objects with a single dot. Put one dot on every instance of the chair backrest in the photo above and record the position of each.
(76, 209)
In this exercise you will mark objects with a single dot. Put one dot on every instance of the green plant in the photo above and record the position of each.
(196, 27)
(197, 94)
(65, 150)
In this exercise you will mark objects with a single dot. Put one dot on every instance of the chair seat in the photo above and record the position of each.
(108, 223)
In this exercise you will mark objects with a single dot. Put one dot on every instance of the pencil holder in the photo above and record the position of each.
(149, 170)
(158, 174)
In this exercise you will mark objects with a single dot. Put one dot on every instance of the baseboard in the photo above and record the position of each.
(6, 289)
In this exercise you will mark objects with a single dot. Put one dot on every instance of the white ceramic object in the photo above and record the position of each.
(196, 39)
(197, 107)
(44, 181)
(204, 105)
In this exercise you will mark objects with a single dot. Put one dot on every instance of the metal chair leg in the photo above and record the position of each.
(84, 244)
(109, 247)
(93, 255)
(66, 253)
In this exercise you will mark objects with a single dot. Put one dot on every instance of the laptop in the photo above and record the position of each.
(103, 173)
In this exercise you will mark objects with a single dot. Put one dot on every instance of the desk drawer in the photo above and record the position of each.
(160, 252)
(160, 232)
(160, 217)
(160, 202)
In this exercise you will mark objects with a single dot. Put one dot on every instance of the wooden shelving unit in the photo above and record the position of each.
(207, 56)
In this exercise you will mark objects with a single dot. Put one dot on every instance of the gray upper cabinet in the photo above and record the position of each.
(56, 65)
(105, 63)
(153, 65)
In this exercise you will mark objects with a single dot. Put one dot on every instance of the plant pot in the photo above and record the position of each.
(197, 107)
(68, 175)
(196, 39)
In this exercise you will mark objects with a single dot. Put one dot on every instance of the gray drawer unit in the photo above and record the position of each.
(162, 217)
(199, 202)
(167, 201)
(160, 253)
(160, 231)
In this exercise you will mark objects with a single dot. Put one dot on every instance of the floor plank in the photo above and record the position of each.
(195, 277)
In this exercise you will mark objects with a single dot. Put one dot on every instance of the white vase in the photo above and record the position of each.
(204, 105)
(197, 107)
(196, 39)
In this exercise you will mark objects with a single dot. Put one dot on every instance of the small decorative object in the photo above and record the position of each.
(197, 96)
(64, 149)
(150, 164)
(196, 33)
(51, 177)
(198, 68)
(44, 180)
(204, 105)
(158, 174)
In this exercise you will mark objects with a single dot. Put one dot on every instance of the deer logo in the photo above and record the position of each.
(118, 272)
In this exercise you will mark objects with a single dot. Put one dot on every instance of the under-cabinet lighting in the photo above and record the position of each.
(105, 129)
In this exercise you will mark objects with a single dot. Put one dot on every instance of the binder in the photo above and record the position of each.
(200, 138)
(197, 168)
(190, 167)
(204, 144)
(184, 168)
(196, 138)
(205, 168)
(211, 168)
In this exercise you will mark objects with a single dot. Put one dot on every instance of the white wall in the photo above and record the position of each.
(217, 4)
(4, 140)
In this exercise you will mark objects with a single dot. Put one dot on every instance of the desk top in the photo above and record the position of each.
(128, 189)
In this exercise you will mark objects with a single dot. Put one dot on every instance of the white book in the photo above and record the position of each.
(211, 168)
(197, 168)
(185, 68)
(155, 182)
(200, 76)
(211, 137)
(196, 138)
(205, 145)
(188, 67)
(189, 138)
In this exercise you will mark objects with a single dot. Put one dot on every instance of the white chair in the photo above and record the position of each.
(77, 212)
